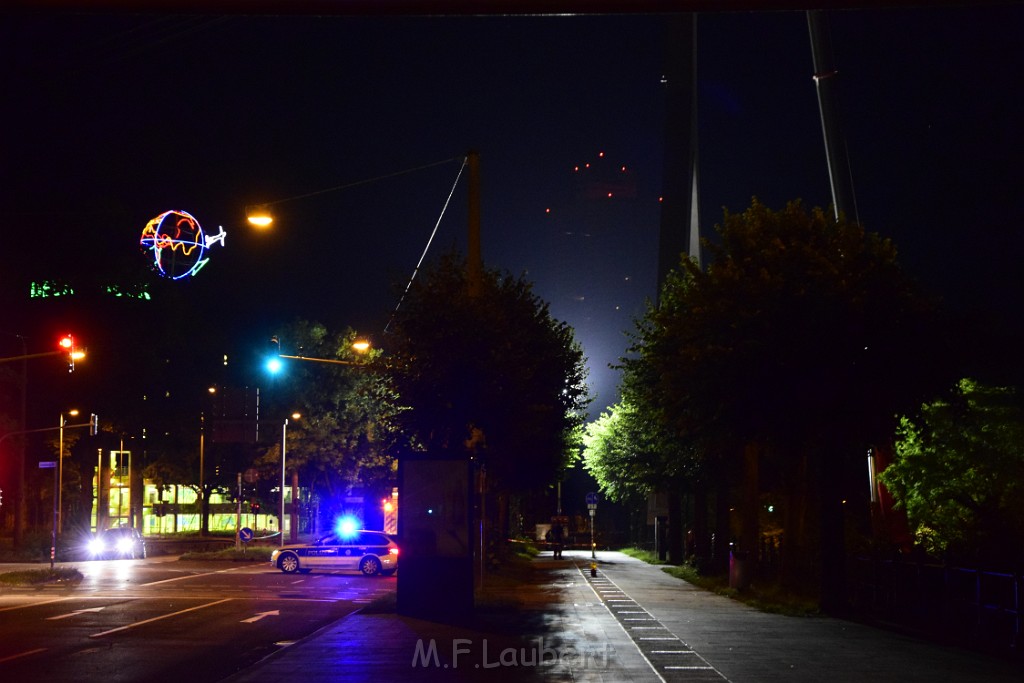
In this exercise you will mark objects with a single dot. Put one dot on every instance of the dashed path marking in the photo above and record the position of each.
(671, 659)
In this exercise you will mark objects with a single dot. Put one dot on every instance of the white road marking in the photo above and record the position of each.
(32, 604)
(163, 616)
(191, 576)
(71, 614)
(261, 615)
(23, 654)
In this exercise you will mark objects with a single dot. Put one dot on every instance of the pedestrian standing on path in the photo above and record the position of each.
(557, 538)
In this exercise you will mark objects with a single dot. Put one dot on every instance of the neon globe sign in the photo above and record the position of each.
(177, 244)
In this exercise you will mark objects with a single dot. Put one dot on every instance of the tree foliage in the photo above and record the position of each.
(959, 473)
(630, 455)
(611, 453)
(492, 376)
(799, 341)
(344, 438)
(800, 324)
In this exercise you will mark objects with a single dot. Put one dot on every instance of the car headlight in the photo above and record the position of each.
(124, 545)
(96, 546)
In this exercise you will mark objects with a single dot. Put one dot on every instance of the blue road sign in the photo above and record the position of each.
(591, 499)
(245, 534)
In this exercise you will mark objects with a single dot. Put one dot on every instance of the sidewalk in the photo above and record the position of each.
(632, 622)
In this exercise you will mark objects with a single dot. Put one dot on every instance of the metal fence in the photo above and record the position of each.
(972, 607)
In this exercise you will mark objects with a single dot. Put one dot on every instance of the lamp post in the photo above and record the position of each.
(202, 467)
(20, 497)
(284, 451)
(60, 472)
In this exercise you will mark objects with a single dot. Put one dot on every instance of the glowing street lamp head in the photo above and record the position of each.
(258, 216)
(361, 345)
(274, 366)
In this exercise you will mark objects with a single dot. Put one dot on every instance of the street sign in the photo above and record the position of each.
(591, 499)
(47, 464)
(245, 534)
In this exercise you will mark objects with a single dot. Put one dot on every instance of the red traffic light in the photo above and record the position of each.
(67, 344)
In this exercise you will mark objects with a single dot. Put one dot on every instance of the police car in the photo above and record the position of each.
(367, 552)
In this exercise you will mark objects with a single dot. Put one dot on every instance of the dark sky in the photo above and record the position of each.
(110, 120)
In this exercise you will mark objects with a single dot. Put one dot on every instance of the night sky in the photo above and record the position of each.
(110, 120)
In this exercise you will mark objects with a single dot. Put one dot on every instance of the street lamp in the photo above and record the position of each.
(60, 471)
(259, 216)
(284, 451)
(202, 466)
(274, 364)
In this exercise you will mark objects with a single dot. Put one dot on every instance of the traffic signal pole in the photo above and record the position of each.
(66, 348)
(29, 356)
(91, 424)
(238, 515)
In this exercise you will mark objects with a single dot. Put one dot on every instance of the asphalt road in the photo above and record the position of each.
(136, 620)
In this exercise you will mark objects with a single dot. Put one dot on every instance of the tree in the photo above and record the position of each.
(959, 474)
(796, 345)
(491, 376)
(616, 456)
(631, 456)
(345, 439)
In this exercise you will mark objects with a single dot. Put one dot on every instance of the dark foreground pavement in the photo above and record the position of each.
(632, 622)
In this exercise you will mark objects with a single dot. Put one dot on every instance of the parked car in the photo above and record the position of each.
(368, 552)
(118, 543)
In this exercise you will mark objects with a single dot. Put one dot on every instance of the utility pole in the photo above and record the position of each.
(238, 515)
(474, 262)
(825, 80)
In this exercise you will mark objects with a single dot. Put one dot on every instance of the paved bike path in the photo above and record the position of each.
(629, 622)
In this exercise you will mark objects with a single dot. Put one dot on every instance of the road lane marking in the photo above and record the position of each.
(32, 604)
(646, 644)
(71, 614)
(691, 668)
(23, 654)
(163, 616)
(261, 615)
(191, 576)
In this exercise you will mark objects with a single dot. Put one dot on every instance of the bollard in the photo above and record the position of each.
(593, 568)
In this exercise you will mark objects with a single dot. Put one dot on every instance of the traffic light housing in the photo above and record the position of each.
(67, 345)
(273, 363)
(94, 424)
